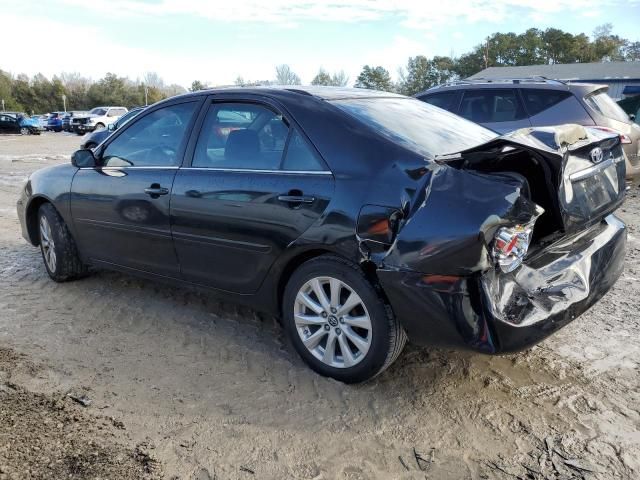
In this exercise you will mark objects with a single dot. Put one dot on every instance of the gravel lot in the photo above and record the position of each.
(183, 386)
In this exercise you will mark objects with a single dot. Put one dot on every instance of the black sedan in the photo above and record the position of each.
(93, 139)
(14, 122)
(359, 217)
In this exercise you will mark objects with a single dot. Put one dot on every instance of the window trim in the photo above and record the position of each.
(259, 100)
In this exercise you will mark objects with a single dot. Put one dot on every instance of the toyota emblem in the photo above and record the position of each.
(597, 155)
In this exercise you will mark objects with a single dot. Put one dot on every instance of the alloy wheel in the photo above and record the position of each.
(24, 131)
(47, 244)
(332, 322)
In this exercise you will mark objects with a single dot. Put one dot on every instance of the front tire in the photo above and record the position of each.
(338, 322)
(99, 126)
(24, 131)
(59, 251)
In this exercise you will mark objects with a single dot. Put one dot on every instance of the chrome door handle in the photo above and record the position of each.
(156, 191)
(296, 199)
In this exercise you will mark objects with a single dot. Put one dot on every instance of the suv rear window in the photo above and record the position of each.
(416, 125)
(491, 106)
(537, 101)
(602, 103)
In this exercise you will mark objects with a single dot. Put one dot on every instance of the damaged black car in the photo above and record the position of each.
(360, 218)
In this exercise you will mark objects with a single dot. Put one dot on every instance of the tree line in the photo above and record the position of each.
(39, 94)
(533, 47)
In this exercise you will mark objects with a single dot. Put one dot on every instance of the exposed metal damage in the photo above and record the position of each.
(538, 185)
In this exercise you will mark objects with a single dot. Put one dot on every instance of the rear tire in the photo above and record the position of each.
(99, 126)
(351, 335)
(59, 251)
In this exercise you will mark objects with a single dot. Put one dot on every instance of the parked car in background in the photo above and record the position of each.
(54, 122)
(97, 119)
(347, 213)
(68, 117)
(505, 105)
(16, 122)
(42, 119)
(95, 138)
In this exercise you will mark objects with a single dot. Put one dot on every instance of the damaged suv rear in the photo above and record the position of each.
(361, 218)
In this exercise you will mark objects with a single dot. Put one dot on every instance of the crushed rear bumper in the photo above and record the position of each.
(494, 312)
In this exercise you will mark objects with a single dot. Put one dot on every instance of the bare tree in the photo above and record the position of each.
(285, 76)
(152, 79)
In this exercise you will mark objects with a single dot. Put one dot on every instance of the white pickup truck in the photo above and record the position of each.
(97, 119)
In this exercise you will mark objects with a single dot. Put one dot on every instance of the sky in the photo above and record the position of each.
(215, 41)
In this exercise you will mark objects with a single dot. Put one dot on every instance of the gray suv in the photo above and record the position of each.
(504, 105)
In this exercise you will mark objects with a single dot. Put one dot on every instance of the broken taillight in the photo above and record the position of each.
(510, 245)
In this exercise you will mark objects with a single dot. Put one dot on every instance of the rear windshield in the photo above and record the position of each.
(604, 104)
(416, 125)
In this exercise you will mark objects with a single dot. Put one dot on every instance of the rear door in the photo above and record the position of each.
(121, 208)
(254, 185)
(498, 109)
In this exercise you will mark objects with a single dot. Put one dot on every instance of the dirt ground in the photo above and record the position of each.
(182, 386)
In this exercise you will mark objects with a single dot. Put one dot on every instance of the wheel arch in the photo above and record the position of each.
(293, 263)
(31, 217)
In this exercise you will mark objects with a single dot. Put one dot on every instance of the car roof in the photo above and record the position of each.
(292, 91)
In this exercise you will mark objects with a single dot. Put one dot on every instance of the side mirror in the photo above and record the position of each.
(83, 158)
(111, 127)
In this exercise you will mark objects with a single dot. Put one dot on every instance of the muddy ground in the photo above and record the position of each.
(184, 386)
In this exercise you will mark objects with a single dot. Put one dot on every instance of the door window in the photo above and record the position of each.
(300, 155)
(445, 100)
(241, 136)
(538, 101)
(153, 140)
(491, 106)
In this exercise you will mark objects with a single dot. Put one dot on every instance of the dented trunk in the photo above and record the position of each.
(565, 182)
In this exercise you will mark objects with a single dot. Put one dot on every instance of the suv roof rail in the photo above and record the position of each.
(513, 80)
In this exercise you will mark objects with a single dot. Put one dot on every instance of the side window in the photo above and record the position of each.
(491, 105)
(300, 155)
(537, 101)
(444, 100)
(153, 140)
(241, 135)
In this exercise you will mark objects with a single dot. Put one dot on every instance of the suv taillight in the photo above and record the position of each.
(623, 138)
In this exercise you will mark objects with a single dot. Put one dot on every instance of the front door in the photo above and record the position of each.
(120, 209)
(254, 186)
